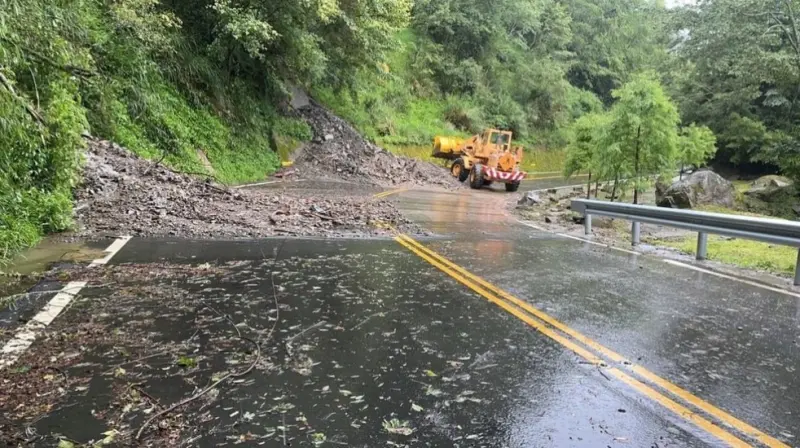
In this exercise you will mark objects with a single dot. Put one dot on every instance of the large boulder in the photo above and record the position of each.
(700, 188)
(530, 199)
(771, 181)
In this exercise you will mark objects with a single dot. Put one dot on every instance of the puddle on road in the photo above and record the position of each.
(20, 274)
(49, 251)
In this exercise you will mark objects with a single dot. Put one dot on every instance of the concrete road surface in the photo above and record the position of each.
(490, 334)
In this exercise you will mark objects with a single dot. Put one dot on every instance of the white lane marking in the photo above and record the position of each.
(25, 336)
(673, 262)
(586, 240)
(731, 277)
(577, 238)
(112, 250)
(529, 224)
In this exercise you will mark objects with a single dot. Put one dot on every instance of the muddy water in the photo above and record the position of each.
(48, 252)
(20, 274)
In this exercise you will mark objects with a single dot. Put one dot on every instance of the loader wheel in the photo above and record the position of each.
(476, 176)
(458, 170)
(512, 186)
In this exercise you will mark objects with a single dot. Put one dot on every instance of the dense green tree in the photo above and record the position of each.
(613, 39)
(642, 136)
(696, 144)
(584, 150)
(739, 74)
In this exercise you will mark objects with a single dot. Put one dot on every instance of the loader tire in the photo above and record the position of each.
(476, 176)
(512, 186)
(458, 170)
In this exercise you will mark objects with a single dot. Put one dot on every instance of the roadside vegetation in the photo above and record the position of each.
(738, 252)
(618, 88)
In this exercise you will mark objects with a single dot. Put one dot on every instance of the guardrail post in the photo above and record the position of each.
(587, 224)
(636, 231)
(702, 245)
(797, 270)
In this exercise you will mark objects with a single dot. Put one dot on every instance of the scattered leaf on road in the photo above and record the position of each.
(395, 426)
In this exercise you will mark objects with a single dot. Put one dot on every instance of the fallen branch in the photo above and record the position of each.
(155, 164)
(316, 325)
(381, 313)
(71, 69)
(224, 377)
(31, 111)
(137, 387)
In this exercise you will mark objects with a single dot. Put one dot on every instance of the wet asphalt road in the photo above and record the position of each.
(369, 332)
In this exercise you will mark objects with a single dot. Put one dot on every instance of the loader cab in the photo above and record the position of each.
(501, 140)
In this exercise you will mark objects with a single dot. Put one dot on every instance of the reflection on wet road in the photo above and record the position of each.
(489, 334)
(734, 345)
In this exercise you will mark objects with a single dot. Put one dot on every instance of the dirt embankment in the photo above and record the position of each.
(338, 151)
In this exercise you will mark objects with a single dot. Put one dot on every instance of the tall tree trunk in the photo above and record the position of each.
(681, 174)
(636, 167)
(596, 189)
(589, 187)
(614, 190)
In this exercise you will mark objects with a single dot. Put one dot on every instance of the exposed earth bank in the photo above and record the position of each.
(338, 151)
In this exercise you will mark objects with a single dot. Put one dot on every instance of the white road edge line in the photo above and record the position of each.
(577, 238)
(25, 336)
(731, 277)
(112, 250)
(672, 262)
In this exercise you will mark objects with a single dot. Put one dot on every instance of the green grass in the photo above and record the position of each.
(738, 252)
(743, 253)
(544, 161)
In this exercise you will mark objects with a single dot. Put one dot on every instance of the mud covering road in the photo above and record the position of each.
(124, 194)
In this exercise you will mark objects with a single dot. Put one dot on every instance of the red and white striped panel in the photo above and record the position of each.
(493, 174)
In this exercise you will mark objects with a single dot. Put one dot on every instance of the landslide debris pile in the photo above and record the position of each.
(339, 151)
(123, 193)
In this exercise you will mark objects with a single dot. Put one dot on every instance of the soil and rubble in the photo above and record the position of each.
(338, 151)
(550, 209)
(123, 193)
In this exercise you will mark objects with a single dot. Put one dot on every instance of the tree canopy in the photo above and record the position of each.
(738, 72)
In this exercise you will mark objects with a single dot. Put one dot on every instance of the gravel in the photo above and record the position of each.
(122, 193)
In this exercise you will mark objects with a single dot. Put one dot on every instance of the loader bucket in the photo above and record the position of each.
(447, 147)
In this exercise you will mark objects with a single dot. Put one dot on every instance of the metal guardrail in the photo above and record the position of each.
(776, 231)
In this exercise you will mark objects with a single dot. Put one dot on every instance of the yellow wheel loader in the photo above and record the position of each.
(482, 159)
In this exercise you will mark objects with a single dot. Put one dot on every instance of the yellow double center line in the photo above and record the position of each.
(388, 193)
(597, 354)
